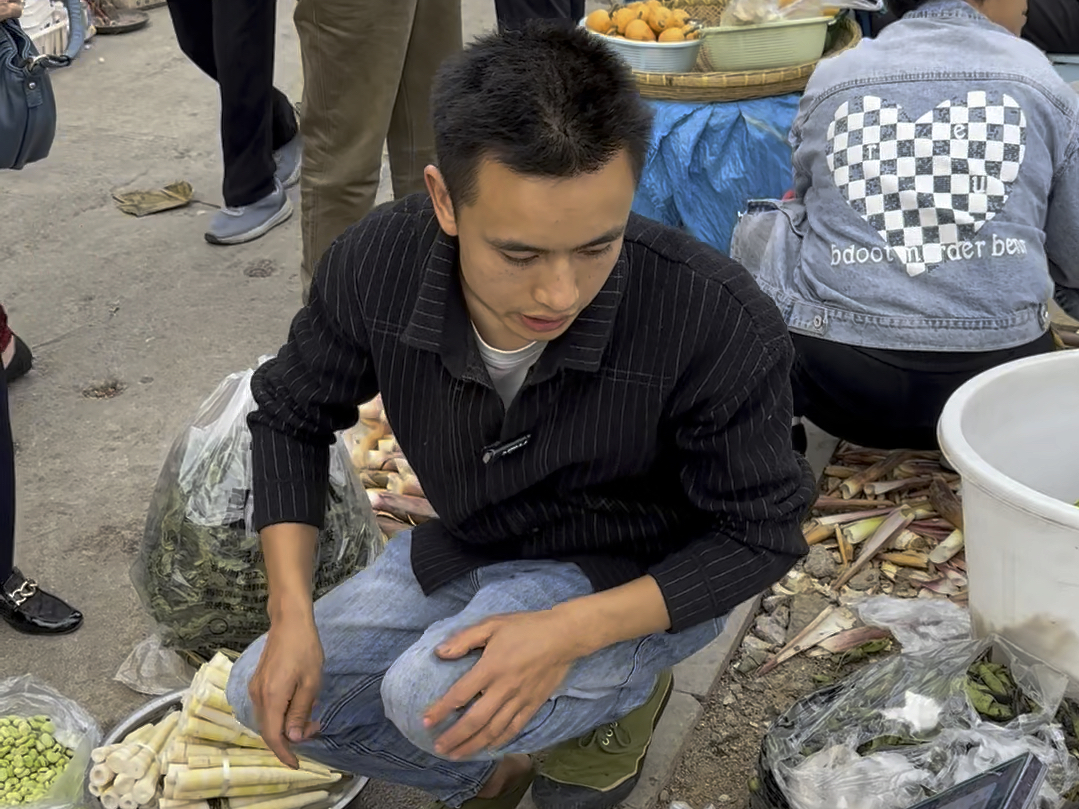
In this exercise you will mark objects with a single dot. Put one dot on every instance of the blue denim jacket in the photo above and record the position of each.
(937, 192)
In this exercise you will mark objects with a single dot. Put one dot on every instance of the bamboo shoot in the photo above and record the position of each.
(110, 798)
(138, 766)
(948, 548)
(101, 775)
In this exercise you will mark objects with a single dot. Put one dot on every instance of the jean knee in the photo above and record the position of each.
(415, 682)
(236, 691)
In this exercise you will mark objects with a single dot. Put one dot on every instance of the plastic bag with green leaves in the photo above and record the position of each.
(71, 727)
(200, 570)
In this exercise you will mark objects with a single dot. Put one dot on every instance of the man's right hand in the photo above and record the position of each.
(286, 685)
(289, 672)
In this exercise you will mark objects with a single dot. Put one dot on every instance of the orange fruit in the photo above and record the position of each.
(681, 16)
(639, 31)
(598, 21)
(624, 16)
(693, 35)
(658, 19)
(672, 35)
(654, 4)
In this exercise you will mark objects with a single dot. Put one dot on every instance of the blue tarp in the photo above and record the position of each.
(708, 159)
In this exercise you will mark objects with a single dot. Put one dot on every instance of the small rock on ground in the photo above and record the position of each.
(805, 607)
(772, 603)
(819, 563)
(771, 630)
(864, 579)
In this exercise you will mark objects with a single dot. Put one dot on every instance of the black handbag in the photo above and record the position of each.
(27, 103)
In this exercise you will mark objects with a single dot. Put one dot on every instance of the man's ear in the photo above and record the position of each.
(440, 196)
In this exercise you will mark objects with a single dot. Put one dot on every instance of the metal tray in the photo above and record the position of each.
(341, 794)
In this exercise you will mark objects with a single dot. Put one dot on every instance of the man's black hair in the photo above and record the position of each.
(544, 102)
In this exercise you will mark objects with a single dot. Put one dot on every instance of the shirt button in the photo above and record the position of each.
(32, 85)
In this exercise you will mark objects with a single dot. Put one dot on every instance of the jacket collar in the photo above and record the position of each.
(955, 9)
(440, 321)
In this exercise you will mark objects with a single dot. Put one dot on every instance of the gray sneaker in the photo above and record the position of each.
(287, 159)
(239, 225)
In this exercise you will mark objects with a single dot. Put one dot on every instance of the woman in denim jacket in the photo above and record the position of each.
(936, 207)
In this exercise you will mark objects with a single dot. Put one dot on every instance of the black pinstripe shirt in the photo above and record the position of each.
(658, 425)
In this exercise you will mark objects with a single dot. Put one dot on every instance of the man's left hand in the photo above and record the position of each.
(526, 656)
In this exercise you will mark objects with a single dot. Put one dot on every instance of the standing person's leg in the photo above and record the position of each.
(513, 14)
(255, 202)
(346, 111)
(7, 488)
(23, 605)
(192, 21)
(436, 35)
(244, 51)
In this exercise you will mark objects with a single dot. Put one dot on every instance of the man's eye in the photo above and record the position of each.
(520, 261)
(601, 251)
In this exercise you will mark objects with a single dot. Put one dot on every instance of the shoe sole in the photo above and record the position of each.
(618, 792)
(250, 235)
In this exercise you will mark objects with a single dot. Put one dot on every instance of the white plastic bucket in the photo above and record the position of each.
(1013, 434)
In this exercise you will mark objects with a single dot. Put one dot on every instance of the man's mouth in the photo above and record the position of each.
(544, 324)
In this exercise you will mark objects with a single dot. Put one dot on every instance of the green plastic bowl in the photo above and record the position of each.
(765, 46)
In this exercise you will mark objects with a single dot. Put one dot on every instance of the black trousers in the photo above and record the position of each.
(513, 14)
(232, 41)
(7, 487)
(886, 399)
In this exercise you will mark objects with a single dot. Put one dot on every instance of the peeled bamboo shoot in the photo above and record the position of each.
(245, 802)
(110, 798)
(166, 803)
(99, 754)
(128, 802)
(146, 787)
(248, 757)
(138, 766)
(101, 775)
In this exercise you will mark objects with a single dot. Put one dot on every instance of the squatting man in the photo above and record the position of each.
(597, 407)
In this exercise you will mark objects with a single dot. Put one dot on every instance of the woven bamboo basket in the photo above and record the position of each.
(704, 85)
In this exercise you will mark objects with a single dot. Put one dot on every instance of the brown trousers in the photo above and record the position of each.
(368, 68)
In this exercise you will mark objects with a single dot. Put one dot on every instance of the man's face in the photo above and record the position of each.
(535, 252)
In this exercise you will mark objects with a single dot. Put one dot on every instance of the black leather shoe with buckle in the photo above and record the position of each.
(28, 608)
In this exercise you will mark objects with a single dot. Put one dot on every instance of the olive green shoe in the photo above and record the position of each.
(507, 800)
(600, 769)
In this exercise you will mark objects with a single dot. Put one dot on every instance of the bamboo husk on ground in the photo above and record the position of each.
(884, 523)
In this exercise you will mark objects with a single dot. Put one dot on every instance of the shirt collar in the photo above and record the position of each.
(440, 320)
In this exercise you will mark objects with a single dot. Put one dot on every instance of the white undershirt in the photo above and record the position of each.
(508, 369)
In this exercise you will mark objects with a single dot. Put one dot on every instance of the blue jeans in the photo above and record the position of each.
(379, 632)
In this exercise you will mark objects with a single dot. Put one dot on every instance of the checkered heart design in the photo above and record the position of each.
(928, 184)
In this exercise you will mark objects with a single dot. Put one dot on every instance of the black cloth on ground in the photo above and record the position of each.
(232, 42)
(884, 398)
